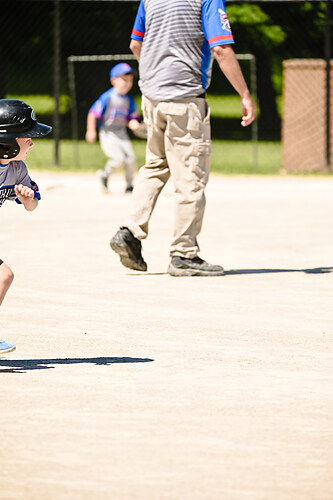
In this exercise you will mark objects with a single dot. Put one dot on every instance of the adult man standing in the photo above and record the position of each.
(173, 41)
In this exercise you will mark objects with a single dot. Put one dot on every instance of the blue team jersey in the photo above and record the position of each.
(113, 111)
(177, 38)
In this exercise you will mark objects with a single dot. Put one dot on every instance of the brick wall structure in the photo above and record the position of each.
(304, 115)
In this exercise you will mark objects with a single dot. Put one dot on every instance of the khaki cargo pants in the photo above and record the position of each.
(179, 146)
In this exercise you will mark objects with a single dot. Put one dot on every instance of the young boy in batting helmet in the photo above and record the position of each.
(18, 124)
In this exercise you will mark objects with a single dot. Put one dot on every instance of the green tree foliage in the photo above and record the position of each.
(274, 31)
(264, 37)
(258, 25)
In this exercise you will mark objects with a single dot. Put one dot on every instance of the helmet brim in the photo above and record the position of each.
(39, 130)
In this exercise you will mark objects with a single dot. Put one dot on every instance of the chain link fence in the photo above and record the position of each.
(37, 62)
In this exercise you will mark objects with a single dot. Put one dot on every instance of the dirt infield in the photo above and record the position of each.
(130, 386)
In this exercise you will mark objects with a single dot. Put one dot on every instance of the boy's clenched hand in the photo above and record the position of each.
(26, 197)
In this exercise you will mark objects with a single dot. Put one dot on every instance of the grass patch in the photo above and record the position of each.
(225, 106)
(221, 106)
(228, 157)
(43, 104)
(242, 157)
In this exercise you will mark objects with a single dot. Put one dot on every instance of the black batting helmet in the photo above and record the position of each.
(17, 119)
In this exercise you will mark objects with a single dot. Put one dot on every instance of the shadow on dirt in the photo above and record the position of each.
(24, 365)
(316, 270)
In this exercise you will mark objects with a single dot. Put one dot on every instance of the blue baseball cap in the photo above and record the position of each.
(121, 69)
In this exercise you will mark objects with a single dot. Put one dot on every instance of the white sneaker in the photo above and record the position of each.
(6, 347)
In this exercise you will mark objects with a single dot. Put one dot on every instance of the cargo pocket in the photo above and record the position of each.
(199, 160)
(195, 120)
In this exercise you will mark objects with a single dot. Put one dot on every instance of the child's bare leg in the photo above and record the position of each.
(6, 279)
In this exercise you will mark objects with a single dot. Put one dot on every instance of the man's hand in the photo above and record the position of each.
(248, 110)
(26, 196)
(229, 65)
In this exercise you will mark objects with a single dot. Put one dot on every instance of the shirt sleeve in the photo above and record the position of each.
(139, 27)
(24, 178)
(215, 23)
(99, 106)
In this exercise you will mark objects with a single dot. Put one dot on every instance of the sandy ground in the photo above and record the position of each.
(142, 386)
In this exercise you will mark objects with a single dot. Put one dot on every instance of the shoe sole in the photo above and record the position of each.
(10, 349)
(175, 271)
(125, 258)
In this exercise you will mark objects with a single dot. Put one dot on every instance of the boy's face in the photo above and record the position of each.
(123, 83)
(25, 144)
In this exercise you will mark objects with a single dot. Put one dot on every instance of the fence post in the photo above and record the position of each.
(328, 83)
(75, 126)
(56, 79)
(254, 125)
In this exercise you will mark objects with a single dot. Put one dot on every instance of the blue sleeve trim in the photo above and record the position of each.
(215, 23)
(137, 38)
(222, 42)
(139, 26)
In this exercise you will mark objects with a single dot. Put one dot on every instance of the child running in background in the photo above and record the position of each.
(18, 123)
(111, 114)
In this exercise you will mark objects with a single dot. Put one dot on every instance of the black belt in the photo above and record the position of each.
(203, 95)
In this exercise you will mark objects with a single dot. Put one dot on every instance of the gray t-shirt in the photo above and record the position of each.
(14, 173)
(113, 111)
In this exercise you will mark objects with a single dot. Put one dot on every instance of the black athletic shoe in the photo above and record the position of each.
(181, 266)
(129, 189)
(129, 249)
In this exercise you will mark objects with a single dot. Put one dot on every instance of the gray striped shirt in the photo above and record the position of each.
(177, 35)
